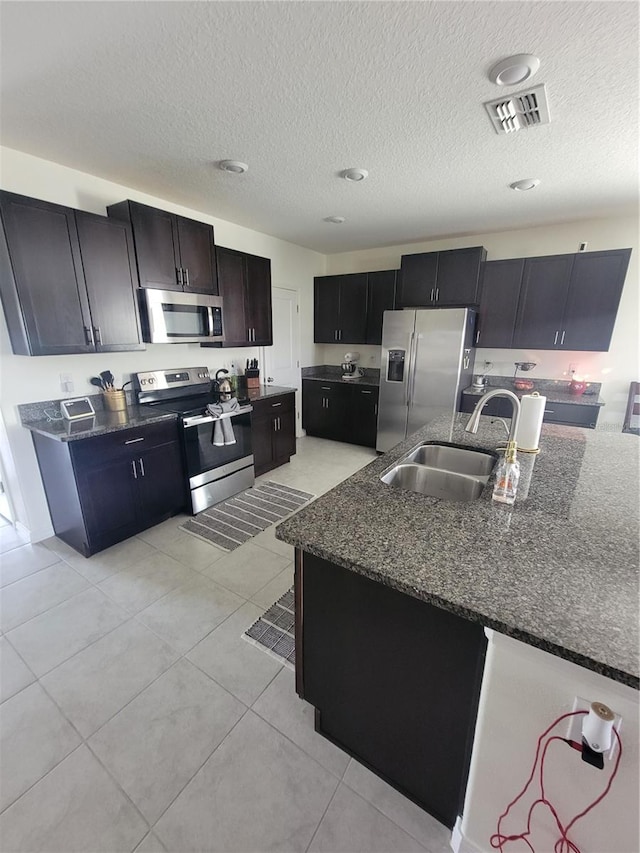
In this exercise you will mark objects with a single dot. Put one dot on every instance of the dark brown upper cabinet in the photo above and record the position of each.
(381, 297)
(499, 292)
(245, 286)
(172, 252)
(441, 279)
(66, 280)
(570, 302)
(340, 309)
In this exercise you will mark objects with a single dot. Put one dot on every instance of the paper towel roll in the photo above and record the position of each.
(530, 423)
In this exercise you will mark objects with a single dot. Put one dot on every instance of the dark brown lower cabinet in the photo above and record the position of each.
(102, 490)
(340, 411)
(395, 681)
(568, 414)
(273, 431)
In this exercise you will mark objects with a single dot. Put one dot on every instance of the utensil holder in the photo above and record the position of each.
(115, 401)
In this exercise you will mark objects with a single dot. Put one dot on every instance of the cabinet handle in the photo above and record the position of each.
(141, 466)
(555, 340)
(339, 334)
(254, 335)
(134, 440)
(437, 294)
(562, 338)
(274, 405)
(89, 336)
(185, 273)
(325, 388)
(97, 334)
(549, 411)
(477, 335)
(366, 392)
(279, 425)
(135, 473)
(375, 411)
(179, 276)
(431, 299)
(275, 425)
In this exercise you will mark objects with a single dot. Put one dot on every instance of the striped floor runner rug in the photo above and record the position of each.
(274, 631)
(229, 524)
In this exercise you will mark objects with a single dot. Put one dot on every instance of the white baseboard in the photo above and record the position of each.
(460, 844)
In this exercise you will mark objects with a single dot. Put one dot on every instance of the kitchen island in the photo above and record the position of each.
(557, 572)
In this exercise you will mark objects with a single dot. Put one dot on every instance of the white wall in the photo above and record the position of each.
(28, 379)
(616, 368)
(524, 690)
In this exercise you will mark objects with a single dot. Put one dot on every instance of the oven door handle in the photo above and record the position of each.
(198, 420)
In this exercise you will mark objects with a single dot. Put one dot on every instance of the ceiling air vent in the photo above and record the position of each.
(519, 111)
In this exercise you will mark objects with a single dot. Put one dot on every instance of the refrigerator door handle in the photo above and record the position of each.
(411, 379)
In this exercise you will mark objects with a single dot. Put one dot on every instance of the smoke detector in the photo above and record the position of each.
(516, 69)
(523, 110)
(354, 175)
(336, 220)
(525, 184)
(234, 166)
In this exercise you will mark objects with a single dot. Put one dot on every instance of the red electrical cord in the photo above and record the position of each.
(563, 844)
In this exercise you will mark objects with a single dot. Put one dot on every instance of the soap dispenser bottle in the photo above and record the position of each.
(507, 476)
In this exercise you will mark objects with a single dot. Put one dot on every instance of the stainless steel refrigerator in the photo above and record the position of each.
(427, 359)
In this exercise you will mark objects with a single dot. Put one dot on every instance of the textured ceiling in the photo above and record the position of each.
(151, 94)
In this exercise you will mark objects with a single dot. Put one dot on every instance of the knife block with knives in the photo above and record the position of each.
(252, 373)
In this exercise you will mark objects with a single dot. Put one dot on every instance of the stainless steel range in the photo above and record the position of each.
(215, 471)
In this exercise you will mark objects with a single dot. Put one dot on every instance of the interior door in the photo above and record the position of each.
(437, 364)
(395, 368)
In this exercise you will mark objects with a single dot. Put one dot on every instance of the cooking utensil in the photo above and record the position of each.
(108, 379)
(97, 382)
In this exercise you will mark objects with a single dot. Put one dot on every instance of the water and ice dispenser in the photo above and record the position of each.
(395, 365)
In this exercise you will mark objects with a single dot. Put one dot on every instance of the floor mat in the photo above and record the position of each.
(229, 524)
(274, 631)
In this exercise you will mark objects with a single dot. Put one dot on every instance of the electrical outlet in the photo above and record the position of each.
(66, 383)
(574, 731)
(573, 368)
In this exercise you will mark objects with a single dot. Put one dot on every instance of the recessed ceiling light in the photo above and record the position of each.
(516, 69)
(233, 166)
(354, 175)
(337, 220)
(525, 184)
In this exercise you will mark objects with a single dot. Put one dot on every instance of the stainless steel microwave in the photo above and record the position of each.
(173, 317)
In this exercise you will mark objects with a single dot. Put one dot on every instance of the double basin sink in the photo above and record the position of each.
(443, 470)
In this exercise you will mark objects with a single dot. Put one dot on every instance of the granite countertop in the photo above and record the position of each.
(555, 392)
(33, 418)
(101, 423)
(557, 570)
(362, 381)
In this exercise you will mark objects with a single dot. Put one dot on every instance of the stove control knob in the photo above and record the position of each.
(143, 381)
(151, 380)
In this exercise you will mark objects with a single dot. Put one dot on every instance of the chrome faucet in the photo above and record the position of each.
(474, 420)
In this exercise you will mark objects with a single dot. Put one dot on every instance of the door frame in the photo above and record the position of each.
(264, 357)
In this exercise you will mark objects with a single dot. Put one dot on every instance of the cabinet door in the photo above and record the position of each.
(42, 284)
(231, 277)
(595, 288)
(458, 276)
(545, 283)
(284, 437)
(326, 309)
(258, 300)
(418, 280)
(160, 483)
(197, 256)
(108, 495)
(157, 253)
(499, 294)
(363, 416)
(262, 430)
(381, 297)
(108, 261)
(352, 327)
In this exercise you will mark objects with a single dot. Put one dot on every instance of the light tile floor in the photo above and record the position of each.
(135, 717)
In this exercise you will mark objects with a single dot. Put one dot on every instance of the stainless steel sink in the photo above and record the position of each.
(434, 482)
(449, 457)
(442, 470)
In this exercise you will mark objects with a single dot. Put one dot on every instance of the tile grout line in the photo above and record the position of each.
(332, 798)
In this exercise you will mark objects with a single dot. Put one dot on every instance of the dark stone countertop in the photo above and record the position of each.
(361, 382)
(557, 570)
(32, 415)
(555, 392)
(101, 423)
